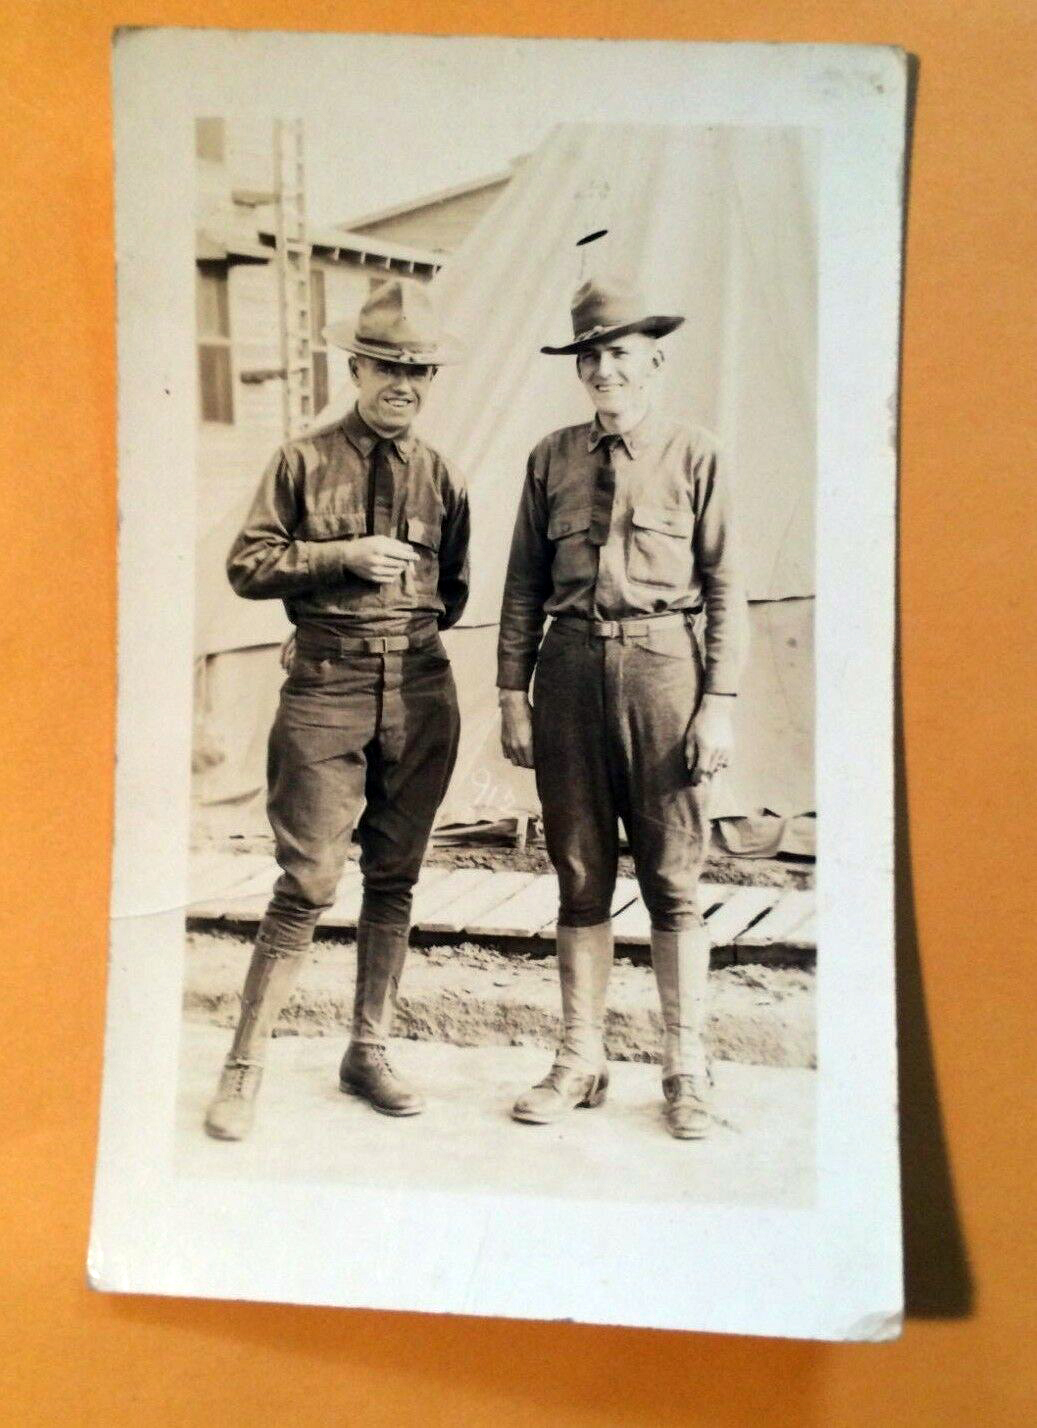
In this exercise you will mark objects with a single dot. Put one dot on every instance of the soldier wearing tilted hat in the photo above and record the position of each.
(623, 536)
(362, 530)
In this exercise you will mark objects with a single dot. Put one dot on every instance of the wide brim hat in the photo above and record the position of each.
(606, 309)
(397, 323)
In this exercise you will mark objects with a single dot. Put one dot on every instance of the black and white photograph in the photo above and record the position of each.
(502, 910)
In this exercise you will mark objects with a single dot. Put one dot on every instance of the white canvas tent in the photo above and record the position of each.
(719, 224)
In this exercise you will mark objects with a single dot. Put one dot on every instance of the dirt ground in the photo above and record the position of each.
(472, 995)
(760, 1149)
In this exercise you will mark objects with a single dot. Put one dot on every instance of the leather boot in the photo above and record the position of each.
(579, 1076)
(681, 962)
(268, 984)
(366, 1070)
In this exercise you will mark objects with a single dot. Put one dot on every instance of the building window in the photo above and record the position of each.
(216, 394)
(318, 346)
(210, 140)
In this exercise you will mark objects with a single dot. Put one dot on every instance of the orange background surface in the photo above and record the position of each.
(966, 866)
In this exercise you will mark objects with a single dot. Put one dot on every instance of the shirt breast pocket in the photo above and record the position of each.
(333, 524)
(568, 531)
(660, 546)
(421, 576)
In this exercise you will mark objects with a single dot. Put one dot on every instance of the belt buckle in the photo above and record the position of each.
(634, 630)
(388, 644)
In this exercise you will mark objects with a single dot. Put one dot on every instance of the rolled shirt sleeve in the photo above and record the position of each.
(267, 560)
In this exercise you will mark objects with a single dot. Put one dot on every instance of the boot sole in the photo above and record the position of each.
(362, 1095)
(589, 1103)
(222, 1134)
(689, 1134)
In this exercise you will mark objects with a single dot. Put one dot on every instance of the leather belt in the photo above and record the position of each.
(634, 627)
(324, 646)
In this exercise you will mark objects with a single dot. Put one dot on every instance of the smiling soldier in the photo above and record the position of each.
(623, 536)
(362, 530)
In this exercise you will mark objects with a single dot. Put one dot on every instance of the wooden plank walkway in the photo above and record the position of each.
(625, 896)
(215, 875)
(481, 897)
(432, 900)
(781, 921)
(735, 914)
(521, 915)
(483, 902)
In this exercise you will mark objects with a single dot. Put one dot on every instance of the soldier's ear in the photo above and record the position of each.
(433, 373)
(354, 367)
(658, 357)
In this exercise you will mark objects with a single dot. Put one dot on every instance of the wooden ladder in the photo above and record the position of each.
(293, 274)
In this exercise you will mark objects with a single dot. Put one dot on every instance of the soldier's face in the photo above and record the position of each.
(617, 375)
(389, 394)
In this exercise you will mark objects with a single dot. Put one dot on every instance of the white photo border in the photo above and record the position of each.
(833, 1271)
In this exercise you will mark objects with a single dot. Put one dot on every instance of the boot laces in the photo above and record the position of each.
(558, 1076)
(379, 1056)
(693, 1087)
(238, 1078)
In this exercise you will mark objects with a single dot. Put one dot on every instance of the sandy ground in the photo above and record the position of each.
(480, 996)
(761, 1150)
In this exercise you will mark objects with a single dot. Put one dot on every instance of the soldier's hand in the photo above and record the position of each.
(516, 735)
(378, 558)
(288, 653)
(710, 738)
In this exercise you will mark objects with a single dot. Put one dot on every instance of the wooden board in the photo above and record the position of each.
(523, 914)
(250, 907)
(231, 909)
(711, 895)
(247, 906)
(450, 909)
(466, 912)
(805, 935)
(633, 926)
(207, 876)
(345, 910)
(792, 908)
(213, 875)
(735, 915)
(432, 899)
(236, 887)
(261, 881)
(626, 893)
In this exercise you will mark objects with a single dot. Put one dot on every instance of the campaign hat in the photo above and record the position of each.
(607, 308)
(397, 323)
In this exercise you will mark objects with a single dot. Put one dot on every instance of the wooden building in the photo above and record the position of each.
(240, 358)
(437, 221)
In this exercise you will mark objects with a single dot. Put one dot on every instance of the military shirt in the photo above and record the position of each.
(670, 545)
(313, 500)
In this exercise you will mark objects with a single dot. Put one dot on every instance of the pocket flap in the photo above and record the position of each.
(422, 533)
(567, 523)
(332, 525)
(676, 521)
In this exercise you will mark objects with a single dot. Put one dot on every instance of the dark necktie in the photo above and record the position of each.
(604, 493)
(381, 493)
